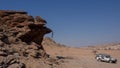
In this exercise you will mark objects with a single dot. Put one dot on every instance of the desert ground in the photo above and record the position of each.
(82, 57)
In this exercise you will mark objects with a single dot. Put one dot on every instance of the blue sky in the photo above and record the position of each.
(75, 22)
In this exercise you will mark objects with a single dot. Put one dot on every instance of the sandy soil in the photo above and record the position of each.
(82, 57)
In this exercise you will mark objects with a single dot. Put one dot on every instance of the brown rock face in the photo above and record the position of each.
(20, 34)
(15, 25)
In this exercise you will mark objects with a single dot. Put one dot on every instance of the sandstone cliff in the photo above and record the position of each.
(20, 40)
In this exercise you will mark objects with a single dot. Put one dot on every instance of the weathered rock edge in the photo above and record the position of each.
(21, 36)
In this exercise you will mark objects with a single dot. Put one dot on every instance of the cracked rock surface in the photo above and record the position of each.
(20, 39)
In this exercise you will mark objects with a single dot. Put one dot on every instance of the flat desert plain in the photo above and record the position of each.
(82, 57)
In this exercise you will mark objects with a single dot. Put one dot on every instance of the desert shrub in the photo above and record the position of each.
(94, 52)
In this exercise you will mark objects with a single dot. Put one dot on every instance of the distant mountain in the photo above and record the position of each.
(110, 46)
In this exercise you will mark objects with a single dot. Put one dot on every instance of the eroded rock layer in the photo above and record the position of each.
(20, 36)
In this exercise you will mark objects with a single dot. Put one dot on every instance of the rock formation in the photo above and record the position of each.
(20, 36)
